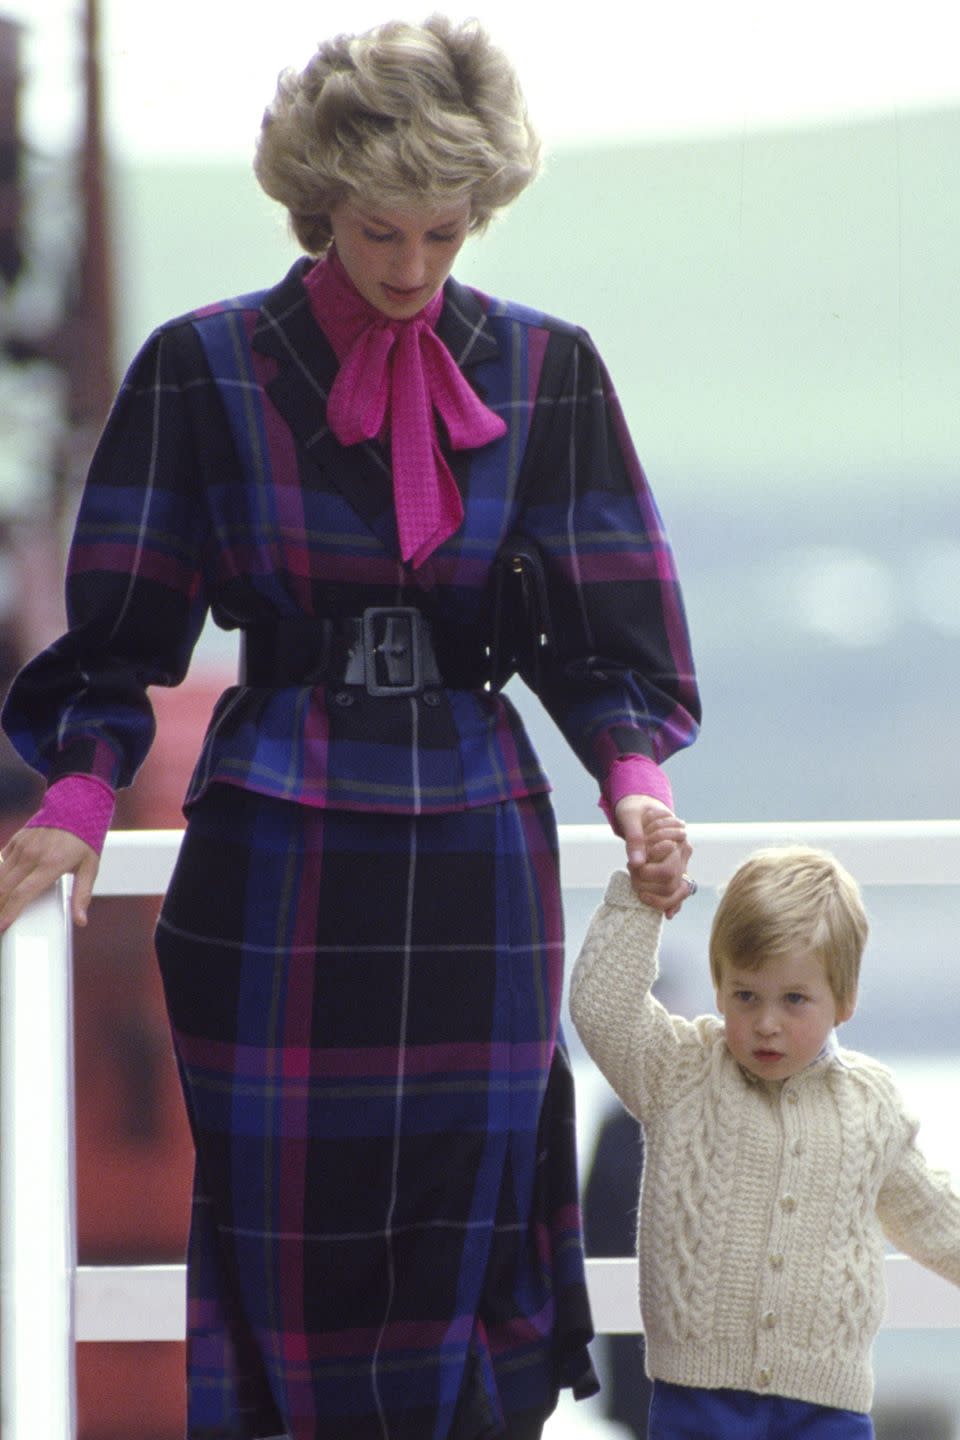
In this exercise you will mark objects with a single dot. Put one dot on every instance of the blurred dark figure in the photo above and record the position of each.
(610, 1230)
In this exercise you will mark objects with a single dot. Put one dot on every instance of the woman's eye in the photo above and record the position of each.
(379, 237)
(444, 239)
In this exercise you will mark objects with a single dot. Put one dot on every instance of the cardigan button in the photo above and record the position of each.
(776, 1262)
(788, 1204)
(793, 1098)
(763, 1378)
(768, 1319)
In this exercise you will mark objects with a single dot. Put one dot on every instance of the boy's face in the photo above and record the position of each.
(777, 1019)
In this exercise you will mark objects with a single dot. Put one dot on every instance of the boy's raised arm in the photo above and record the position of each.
(627, 1033)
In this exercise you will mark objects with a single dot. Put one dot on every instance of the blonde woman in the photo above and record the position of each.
(401, 492)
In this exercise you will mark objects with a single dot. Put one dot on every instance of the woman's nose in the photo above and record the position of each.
(410, 268)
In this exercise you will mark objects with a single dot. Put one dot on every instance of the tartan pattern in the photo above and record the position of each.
(365, 1012)
(218, 486)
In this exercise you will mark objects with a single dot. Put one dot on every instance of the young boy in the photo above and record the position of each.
(775, 1161)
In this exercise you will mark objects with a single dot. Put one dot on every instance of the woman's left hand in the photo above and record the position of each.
(658, 852)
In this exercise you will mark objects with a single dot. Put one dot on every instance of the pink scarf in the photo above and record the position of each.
(397, 376)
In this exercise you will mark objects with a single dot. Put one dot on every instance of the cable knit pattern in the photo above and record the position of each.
(764, 1206)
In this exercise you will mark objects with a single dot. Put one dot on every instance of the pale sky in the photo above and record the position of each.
(192, 76)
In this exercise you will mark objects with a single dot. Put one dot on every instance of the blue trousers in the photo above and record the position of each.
(680, 1412)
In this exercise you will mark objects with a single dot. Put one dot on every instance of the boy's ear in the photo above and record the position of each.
(846, 1010)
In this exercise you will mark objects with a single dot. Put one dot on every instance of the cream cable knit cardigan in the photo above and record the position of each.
(763, 1205)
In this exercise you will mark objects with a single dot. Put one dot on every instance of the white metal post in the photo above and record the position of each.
(38, 1252)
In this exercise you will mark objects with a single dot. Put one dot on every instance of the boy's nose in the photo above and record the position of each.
(767, 1023)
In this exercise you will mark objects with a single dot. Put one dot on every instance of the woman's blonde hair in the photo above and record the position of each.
(402, 115)
(787, 898)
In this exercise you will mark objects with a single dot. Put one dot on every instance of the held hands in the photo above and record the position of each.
(658, 852)
(34, 859)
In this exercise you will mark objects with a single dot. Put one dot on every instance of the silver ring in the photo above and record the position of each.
(692, 886)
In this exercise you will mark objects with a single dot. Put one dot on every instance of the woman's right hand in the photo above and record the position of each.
(658, 851)
(34, 859)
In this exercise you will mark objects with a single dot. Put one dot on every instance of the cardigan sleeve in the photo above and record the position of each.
(646, 1054)
(615, 669)
(920, 1211)
(134, 593)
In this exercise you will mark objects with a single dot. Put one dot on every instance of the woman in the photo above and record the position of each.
(362, 942)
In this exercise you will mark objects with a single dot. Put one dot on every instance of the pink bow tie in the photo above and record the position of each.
(399, 374)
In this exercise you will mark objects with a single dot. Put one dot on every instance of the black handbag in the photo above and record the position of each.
(522, 631)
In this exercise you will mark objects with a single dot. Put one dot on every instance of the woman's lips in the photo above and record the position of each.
(396, 293)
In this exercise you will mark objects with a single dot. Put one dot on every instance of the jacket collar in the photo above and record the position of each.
(307, 365)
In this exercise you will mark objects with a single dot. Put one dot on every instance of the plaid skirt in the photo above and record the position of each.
(385, 1236)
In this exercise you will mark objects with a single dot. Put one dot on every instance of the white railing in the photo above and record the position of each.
(49, 1303)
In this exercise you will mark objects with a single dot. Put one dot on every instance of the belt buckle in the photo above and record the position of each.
(392, 657)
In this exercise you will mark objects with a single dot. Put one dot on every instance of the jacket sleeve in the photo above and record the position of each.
(614, 668)
(134, 593)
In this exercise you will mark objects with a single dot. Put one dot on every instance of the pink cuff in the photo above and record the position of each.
(634, 775)
(80, 804)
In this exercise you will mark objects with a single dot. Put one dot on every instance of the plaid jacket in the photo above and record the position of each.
(217, 486)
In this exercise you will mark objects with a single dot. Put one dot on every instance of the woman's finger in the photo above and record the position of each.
(83, 882)
(34, 859)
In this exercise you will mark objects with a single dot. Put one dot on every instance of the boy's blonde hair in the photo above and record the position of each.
(401, 116)
(788, 898)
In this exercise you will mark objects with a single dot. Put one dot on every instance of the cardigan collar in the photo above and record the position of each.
(831, 1055)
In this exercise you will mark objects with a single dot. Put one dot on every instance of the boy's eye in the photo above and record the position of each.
(795, 998)
(744, 996)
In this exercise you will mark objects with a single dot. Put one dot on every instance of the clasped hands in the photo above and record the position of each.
(658, 852)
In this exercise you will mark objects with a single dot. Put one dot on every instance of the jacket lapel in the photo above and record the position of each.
(306, 367)
(464, 330)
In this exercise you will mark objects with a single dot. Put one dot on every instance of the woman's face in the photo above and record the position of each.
(398, 259)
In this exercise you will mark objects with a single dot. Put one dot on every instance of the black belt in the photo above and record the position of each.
(388, 650)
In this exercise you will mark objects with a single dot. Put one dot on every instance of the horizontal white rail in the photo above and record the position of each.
(879, 852)
(148, 1302)
(48, 1303)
